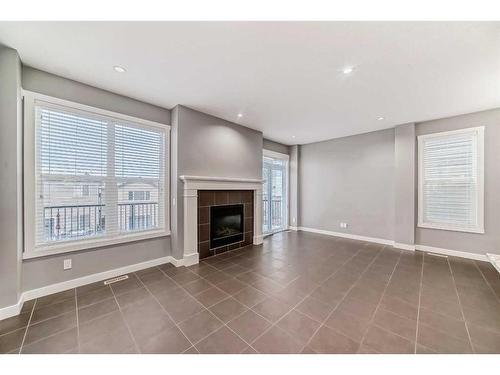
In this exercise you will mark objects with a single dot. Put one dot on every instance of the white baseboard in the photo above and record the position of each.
(257, 240)
(13, 310)
(453, 253)
(191, 259)
(293, 228)
(495, 260)
(404, 246)
(431, 249)
(348, 235)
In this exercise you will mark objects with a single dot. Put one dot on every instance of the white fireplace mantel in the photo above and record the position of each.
(190, 199)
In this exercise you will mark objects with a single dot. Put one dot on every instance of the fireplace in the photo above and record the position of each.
(225, 220)
(226, 225)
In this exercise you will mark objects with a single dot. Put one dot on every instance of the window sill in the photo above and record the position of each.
(450, 228)
(71, 246)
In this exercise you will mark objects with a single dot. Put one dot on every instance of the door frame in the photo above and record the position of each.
(286, 158)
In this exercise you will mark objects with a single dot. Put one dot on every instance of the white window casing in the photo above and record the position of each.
(72, 147)
(451, 180)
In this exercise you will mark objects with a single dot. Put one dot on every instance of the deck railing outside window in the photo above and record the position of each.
(275, 211)
(87, 220)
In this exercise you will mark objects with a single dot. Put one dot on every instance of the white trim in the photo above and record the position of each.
(495, 260)
(480, 171)
(31, 250)
(199, 179)
(404, 246)
(190, 259)
(71, 246)
(453, 253)
(437, 250)
(293, 228)
(190, 197)
(257, 240)
(275, 154)
(348, 235)
(13, 310)
(83, 107)
(286, 159)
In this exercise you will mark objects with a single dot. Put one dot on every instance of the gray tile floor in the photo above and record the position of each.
(298, 293)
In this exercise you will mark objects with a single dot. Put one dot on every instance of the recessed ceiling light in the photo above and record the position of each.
(240, 115)
(119, 69)
(293, 136)
(347, 70)
(380, 118)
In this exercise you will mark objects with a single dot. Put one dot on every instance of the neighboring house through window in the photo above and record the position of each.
(93, 178)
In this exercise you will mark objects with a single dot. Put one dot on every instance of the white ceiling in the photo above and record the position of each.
(285, 78)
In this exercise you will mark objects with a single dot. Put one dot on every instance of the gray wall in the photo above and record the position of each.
(349, 180)
(48, 270)
(59, 87)
(490, 240)
(210, 146)
(10, 177)
(404, 184)
(276, 147)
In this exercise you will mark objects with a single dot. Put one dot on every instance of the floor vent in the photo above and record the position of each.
(116, 279)
(437, 255)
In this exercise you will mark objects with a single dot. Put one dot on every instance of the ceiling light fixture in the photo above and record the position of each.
(293, 136)
(380, 118)
(119, 69)
(347, 70)
(240, 115)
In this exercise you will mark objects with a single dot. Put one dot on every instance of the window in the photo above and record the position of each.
(139, 195)
(81, 191)
(451, 178)
(80, 174)
(274, 192)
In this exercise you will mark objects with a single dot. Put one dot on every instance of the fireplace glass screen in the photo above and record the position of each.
(226, 225)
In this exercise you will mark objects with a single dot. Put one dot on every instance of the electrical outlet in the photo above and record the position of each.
(343, 225)
(293, 220)
(67, 264)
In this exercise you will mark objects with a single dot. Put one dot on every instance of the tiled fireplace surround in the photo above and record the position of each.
(201, 192)
(210, 198)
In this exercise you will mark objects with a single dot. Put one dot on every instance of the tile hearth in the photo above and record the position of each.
(296, 293)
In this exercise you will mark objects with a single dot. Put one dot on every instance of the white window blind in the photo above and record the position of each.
(451, 180)
(105, 157)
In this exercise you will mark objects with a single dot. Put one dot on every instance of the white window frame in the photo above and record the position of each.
(29, 154)
(480, 170)
(286, 158)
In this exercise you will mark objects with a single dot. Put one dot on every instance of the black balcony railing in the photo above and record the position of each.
(86, 220)
(276, 212)
(137, 216)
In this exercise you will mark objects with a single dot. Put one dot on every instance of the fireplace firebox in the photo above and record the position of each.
(226, 225)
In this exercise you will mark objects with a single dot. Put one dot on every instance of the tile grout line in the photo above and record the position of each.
(343, 298)
(206, 308)
(223, 323)
(275, 324)
(27, 326)
(163, 308)
(371, 321)
(77, 322)
(487, 282)
(419, 300)
(460, 304)
(124, 320)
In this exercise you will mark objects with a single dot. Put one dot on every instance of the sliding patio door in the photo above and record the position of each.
(275, 192)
